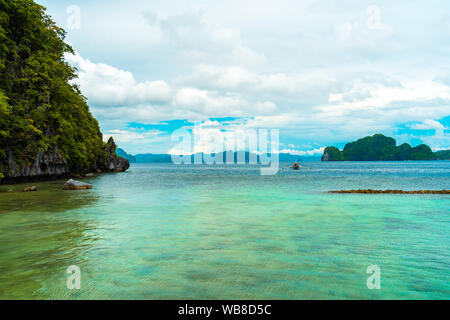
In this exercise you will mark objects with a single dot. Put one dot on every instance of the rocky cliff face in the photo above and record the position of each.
(332, 154)
(51, 164)
(113, 163)
(47, 164)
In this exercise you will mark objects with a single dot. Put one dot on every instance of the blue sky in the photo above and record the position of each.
(322, 72)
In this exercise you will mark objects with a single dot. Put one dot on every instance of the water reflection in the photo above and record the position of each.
(36, 252)
(170, 232)
(41, 234)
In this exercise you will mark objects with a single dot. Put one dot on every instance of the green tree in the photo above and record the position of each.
(422, 152)
(332, 154)
(40, 107)
(443, 154)
(377, 147)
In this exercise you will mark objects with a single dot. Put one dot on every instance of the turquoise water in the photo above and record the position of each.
(161, 231)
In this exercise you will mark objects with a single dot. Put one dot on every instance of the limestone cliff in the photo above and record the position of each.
(51, 164)
(46, 127)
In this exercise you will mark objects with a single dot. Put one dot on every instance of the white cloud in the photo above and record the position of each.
(199, 40)
(136, 141)
(412, 101)
(309, 153)
(310, 105)
(207, 102)
(317, 70)
(265, 107)
(243, 80)
(428, 125)
(106, 85)
(440, 140)
(123, 136)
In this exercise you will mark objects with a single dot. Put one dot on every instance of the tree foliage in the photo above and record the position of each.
(443, 154)
(333, 154)
(40, 107)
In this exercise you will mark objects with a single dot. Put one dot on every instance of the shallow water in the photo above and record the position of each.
(161, 231)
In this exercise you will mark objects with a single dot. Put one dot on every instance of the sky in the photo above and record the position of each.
(321, 72)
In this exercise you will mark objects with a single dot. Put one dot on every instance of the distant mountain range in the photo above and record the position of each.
(166, 158)
(373, 148)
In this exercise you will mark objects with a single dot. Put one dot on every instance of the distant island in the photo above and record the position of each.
(372, 148)
(381, 148)
(167, 158)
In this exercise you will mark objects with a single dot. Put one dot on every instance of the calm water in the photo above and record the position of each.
(163, 231)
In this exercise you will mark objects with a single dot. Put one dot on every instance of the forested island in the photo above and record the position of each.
(46, 128)
(381, 148)
(443, 155)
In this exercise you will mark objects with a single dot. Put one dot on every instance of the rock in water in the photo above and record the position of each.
(113, 163)
(76, 185)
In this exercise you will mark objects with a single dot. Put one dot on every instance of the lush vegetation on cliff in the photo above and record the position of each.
(332, 154)
(378, 148)
(40, 109)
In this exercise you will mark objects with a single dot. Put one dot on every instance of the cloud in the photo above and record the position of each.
(209, 103)
(309, 153)
(128, 136)
(138, 140)
(440, 140)
(198, 40)
(311, 87)
(428, 125)
(365, 31)
(305, 105)
(322, 72)
(214, 137)
(105, 85)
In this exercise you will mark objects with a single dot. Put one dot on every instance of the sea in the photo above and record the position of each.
(165, 231)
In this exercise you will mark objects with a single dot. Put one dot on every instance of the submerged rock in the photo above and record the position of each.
(76, 185)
